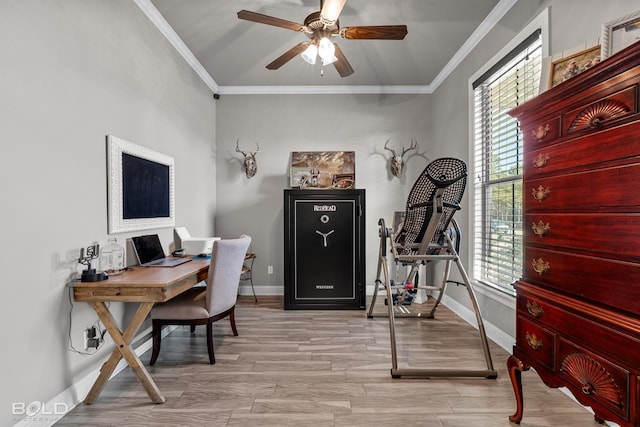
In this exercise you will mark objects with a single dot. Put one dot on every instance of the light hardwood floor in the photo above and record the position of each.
(324, 368)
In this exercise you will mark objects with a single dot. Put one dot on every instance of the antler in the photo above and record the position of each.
(243, 153)
(238, 150)
(390, 149)
(414, 145)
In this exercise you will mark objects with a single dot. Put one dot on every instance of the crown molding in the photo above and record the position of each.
(168, 32)
(327, 90)
(483, 29)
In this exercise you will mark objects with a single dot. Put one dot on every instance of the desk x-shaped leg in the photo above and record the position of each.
(123, 349)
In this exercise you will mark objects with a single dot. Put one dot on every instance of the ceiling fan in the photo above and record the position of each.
(321, 27)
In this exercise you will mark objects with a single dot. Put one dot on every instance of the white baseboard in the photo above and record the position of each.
(494, 333)
(273, 290)
(75, 394)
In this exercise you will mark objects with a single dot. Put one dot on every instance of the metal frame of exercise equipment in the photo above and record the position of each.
(439, 242)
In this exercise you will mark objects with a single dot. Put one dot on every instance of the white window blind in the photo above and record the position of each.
(498, 163)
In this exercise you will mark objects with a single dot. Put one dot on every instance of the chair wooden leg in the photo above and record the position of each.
(232, 319)
(212, 358)
(156, 334)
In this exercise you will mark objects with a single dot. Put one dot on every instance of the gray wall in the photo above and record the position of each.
(285, 123)
(72, 72)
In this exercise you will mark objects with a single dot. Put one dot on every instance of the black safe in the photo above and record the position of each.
(324, 252)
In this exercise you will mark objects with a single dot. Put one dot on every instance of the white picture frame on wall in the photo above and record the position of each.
(619, 33)
(140, 187)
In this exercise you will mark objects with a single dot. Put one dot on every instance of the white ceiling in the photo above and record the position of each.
(231, 54)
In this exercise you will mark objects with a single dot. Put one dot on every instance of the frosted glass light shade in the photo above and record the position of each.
(326, 49)
(310, 54)
(330, 60)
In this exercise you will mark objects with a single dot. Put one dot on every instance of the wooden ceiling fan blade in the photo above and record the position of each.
(330, 9)
(342, 65)
(373, 32)
(288, 56)
(269, 20)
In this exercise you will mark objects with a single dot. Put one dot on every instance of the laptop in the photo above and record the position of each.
(149, 252)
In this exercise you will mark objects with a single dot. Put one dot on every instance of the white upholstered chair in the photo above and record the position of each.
(203, 306)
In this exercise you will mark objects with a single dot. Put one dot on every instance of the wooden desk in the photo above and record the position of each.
(146, 286)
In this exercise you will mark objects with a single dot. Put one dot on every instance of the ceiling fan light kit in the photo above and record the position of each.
(320, 27)
(310, 54)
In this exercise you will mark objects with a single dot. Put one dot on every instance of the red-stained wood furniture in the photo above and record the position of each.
(578, 301)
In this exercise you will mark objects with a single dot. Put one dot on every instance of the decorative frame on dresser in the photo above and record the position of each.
(578, 301)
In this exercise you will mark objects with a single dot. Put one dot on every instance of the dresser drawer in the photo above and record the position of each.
(611, 235)
(582, 323)
(599, 280)
(608, 104)
(536, 341)
(618, 145)
(610, 189)
(596, 377)
(601, 112)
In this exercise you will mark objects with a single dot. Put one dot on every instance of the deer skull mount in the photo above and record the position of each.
(250, 165)
(397, 161)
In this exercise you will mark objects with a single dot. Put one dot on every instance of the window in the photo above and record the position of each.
(497, 157)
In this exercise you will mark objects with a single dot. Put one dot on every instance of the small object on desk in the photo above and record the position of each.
(202, 256)
(178, 252)
(90, 274)
(192, 245)
(112, 258)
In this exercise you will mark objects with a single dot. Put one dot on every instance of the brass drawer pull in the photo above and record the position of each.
(541, 160)
(540, 132)
(587, 388)
(540, 193)
(534, 341)
(540, 229)
(534, 309)
(540, 266)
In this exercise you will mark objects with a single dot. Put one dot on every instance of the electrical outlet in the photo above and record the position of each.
(270, 269)
(92, 338)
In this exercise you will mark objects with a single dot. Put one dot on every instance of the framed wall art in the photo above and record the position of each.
(140, 183)
(620, 33)
(343, 181)
(323, 169)
(565, 68)
(299, 176)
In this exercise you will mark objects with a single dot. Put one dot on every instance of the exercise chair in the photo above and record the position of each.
(427, 234)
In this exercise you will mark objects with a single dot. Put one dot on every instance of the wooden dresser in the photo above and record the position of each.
(578, 301)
